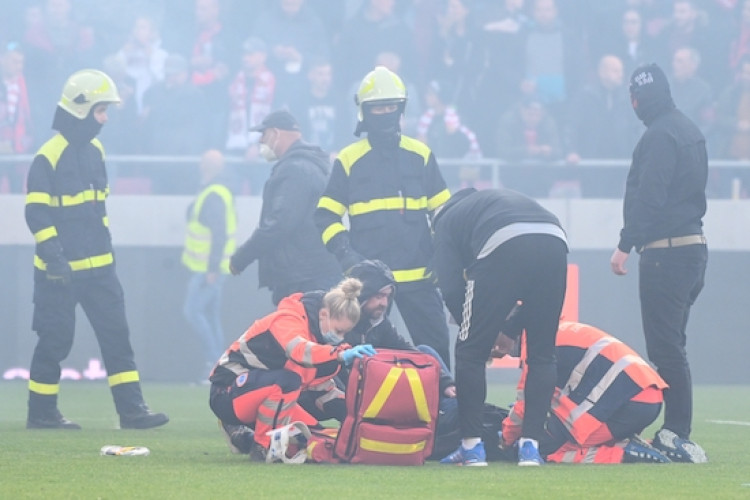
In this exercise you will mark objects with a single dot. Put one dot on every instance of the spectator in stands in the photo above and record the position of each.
(174, 123)
(55, 46)
(690, 27)
(251, 98)
(294, 33)
(497, 65)
(529, 134)
(453, 59)
(375, 28)
(733, 116)
(440, 127)
(740, 44)
(211, 51)
(691, 93)
(600, 125)
(123, 134)
(143, 57)
(631, 44)
(15, 113)
(555, 59)
(322, 118)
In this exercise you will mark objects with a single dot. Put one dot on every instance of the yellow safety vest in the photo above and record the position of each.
(197, 250)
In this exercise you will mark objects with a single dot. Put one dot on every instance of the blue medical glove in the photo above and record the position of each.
(358, 351)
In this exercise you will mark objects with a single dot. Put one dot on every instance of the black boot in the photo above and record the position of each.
(134, 413)
(144, 418)
(50, 420)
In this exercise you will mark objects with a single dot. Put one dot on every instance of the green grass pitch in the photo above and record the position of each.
(189, 459)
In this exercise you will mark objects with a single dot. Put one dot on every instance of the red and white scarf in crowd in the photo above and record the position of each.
(452, 123)
(248, 106)
(15, 115)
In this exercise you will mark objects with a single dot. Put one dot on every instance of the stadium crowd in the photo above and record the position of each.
(525, 81)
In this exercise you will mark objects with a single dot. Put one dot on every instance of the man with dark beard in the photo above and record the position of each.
(665, 201)
(389, 184)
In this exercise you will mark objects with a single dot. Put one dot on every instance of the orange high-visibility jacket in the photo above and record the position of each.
(596, 374)
(283, 339)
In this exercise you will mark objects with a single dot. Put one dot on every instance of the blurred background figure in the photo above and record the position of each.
(497, 65)
(55, 45)
(15, 116)
(600, 125)
(631, 44)
(209, 243)
(442, 128)
(123, 133)
(527, 133)
(324, 119)
(294, 34)
(740, 40)
(732, 136)
(143, 57)
(691, 93)
(174, 123)
(375, 28)
(251, 98)
(555, 59)
(211, 50)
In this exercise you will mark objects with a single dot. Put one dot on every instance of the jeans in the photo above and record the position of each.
(670, 280)
(202, 310)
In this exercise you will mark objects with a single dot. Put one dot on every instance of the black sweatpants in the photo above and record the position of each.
(531, 268)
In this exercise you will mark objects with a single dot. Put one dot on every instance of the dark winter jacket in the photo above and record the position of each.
(286, 242)
(466, 223)
(665, 193)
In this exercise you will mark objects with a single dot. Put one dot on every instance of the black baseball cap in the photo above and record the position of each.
(281, 119)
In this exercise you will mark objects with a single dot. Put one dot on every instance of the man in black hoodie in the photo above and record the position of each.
(494, 248)
(291, 256)
(665, 201)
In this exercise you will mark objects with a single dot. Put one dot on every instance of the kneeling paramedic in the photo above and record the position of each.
(605, 395)
(256, 383)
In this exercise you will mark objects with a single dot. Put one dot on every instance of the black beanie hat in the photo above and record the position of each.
(374, 275)
(649, 90)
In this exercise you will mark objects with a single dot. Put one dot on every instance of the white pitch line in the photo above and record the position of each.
(728, 422)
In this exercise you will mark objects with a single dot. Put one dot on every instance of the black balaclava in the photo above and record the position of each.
(74, 130)
(383, 130)
(649, 93)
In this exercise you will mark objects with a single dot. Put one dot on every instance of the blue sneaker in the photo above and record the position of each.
(678, 449)
(637, 450)
(528, 453)
(475, 457)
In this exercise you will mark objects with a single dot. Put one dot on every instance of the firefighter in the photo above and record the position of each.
(605, 395)
(74, 263)
(389, 184)
(256, 383)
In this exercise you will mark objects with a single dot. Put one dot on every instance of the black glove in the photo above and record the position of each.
(59, 271)
(349, 259)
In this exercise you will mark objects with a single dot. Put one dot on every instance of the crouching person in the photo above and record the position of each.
(375, 327)
(257, 381)
(605, 395)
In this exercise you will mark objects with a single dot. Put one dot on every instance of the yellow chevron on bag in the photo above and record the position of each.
(386, 389)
